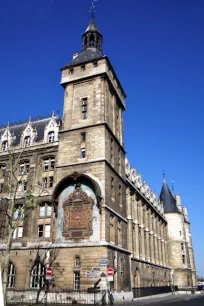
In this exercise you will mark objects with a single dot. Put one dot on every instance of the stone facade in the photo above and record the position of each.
(89, 202)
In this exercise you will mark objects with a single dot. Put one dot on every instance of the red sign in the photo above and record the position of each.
(49, 271)
(110, 272)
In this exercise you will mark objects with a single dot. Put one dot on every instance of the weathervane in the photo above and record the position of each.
(172, 187)
(92, 8)
(164, 176)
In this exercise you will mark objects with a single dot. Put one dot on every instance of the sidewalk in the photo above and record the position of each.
(154, 299)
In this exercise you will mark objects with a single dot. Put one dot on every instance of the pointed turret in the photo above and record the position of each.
(168, 200)
(92, 41)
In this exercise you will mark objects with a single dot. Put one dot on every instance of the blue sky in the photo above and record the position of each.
(156, 48)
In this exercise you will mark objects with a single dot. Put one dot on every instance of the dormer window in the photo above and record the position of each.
(5, 146)
(51, 136)
(27, 141)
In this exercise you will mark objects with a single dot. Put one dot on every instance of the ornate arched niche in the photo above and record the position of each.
(78, 211)
(78, 214)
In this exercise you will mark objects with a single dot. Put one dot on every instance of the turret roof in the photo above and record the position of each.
(169, 202)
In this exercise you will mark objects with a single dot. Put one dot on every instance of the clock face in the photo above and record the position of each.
(77, 219)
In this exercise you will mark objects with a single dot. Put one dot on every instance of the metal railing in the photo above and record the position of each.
(146, 291)
(55, 296)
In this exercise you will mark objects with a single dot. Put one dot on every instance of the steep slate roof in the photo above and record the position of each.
(37, 124)
(85, 56)
(92, 27)
(169, 202)
(88, 53)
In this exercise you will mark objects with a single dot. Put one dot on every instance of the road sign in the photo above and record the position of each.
(110, 272)
(110, 278)
(49, 273)
(104, 262)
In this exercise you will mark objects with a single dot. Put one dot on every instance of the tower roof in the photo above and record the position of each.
(92, 27)
(169, 202)
(92, 41)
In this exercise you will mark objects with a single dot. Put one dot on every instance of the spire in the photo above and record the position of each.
(92, 38)
(168, 200)
(92, 8)
(92, 41)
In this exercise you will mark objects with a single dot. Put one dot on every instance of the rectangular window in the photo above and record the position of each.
(83, 153)
(112, 229)
(44, 183)
(95, 64)
(49, 210)
(42, 210)
(83, 136)
(18, 213)
(120, 195)
(1, 187)
(15, 233)
(112, 152)
(83, 68)
(112, 188)
(84, 108)
(183, 259)
(76, 280)
(47, 231)
(51, 181)
(119, 233)
(46, 165)
(71, 71)
(182, 247)
(24, 185)
(52, 164)
(20, 232)
(40, 230)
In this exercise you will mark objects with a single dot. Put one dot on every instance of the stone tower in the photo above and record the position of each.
(91, 145)
(180, 250)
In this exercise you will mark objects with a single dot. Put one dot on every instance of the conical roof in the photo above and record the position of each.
(92, 27)
(168, 200)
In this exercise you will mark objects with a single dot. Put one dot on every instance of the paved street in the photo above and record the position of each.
(184, 300)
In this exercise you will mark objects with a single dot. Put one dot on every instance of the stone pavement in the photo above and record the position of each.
(166, 299)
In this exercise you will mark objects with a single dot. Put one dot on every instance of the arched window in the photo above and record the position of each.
(11, 276)
(51, 136)
(5, 146)
(37, 276)
(27, 141)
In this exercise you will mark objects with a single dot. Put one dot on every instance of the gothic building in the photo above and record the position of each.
(89, 202)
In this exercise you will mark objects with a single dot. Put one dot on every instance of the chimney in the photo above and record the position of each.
(75, 55)
(178, 202)
(185, 212)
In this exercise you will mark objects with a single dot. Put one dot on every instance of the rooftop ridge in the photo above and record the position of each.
(24, 122)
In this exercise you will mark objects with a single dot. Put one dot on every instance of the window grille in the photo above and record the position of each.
(76, 280)
(51, 136)
(37, 276)
(11, 276)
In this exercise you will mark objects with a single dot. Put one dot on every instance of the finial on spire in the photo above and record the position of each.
(164, 176)
(172, 188)
(92, 8)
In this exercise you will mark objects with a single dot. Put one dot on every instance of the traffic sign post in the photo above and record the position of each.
(110, 272)
(48, 273)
